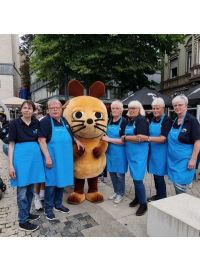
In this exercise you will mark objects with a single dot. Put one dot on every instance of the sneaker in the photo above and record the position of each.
(50, 216)
(62, 209)
(27, 226)
(37, 203)
(141, 210)
(41, 195)
(152, 198)
(112, 197)
(104, 180)
(33, 217)
(134, 203)
(118, 199)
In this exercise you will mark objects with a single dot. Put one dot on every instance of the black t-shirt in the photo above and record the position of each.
(141, 125)
(122, 125)
(165, 126)
(190, 131)
(45, 129)
(20, 132)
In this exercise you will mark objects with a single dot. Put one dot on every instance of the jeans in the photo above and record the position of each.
(52, 198)
(180, 188)
(118, 181)
(5, 149)
(24, 200)
(140, 192)
(160, 186)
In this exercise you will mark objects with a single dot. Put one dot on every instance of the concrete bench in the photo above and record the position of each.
(174, 216)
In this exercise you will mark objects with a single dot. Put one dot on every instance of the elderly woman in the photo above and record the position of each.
(158, 132)
(137, 152)
(116, 161)
(183, 146)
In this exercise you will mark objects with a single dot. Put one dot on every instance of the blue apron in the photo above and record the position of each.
(158, 151)
(137, 154)
(116, 160)
(61, 151)
(28, 164)
(178, 157)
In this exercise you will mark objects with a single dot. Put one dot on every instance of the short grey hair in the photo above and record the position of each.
(53, 101)
(136, 104)
(158, 102)
(118, 103)
(180, 98)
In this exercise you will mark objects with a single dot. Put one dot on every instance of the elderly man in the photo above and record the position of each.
(56, 142)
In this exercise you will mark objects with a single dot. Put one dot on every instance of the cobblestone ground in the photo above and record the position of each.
(84, 220)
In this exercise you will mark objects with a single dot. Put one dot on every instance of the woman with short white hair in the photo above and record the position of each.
(137, 152)
(183, 145)
(157, 162)
(116, 162)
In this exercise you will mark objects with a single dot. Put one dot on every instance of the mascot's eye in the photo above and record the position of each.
(77, 115)
(98, 115)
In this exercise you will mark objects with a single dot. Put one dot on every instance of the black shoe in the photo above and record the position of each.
(33, 217)
(62, 209)
(134, 203)
(27, 226)
(141, 210)
(152, 198)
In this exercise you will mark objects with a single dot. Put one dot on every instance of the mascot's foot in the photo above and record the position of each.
(76, 198)
(95, 197)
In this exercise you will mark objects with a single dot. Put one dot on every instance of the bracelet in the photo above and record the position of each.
(149, 139)
(194, 159)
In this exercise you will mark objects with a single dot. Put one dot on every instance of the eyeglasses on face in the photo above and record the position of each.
(55, 108)
(178, 105)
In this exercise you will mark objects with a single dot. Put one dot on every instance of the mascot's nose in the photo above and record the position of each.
(89, 121)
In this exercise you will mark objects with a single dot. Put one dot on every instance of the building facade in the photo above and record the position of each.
(10, 80)
(182, 67)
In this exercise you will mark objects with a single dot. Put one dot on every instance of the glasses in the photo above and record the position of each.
(178, 105)
(132, 108)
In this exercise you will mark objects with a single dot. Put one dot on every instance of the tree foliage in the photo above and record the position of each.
(124, 59)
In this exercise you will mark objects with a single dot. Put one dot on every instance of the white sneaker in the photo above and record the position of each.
(113, 196)
(118, 199)
(37, 203)
(42, 195)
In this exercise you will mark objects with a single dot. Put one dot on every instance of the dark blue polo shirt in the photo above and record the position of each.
(45, 129)
(122, 125)
(20, 132)
(165, 126)
(141, 125)
(190, 131)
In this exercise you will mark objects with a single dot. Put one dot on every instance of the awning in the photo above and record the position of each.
(15, 102)
(193, 95)
(146, 96)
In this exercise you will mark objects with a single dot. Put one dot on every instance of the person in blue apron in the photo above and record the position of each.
(116, 160)
(183, 146)
(25, 163)
(137, 152)
(157, 161)
(56, 142)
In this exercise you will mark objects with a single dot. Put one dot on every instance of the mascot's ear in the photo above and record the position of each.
(75, 88)
(97, 89)
(65, 105)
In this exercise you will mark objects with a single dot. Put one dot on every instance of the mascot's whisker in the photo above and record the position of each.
(77, 125)
(100, 125)
(99, 128)
(78, 121)
(79, 129)
(99, 120)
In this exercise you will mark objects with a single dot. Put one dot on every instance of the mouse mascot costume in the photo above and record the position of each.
(87, 117)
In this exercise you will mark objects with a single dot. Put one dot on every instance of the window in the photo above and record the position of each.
(174, 68)
(189, 61)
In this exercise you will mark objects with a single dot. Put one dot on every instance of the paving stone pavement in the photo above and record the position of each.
(87, 219)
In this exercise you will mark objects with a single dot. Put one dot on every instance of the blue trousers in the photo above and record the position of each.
(140, 192)
(118, 181)
(52, 198)
(24, 201)
(160, 186)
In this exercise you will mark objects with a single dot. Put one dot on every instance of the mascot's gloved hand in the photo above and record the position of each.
(97, 152)
(80, 152)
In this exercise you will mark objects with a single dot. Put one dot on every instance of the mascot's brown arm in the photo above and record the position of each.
(100, 149)
(77, 153)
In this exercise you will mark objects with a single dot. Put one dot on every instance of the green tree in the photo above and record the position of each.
(123, 59)
(24, 50)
